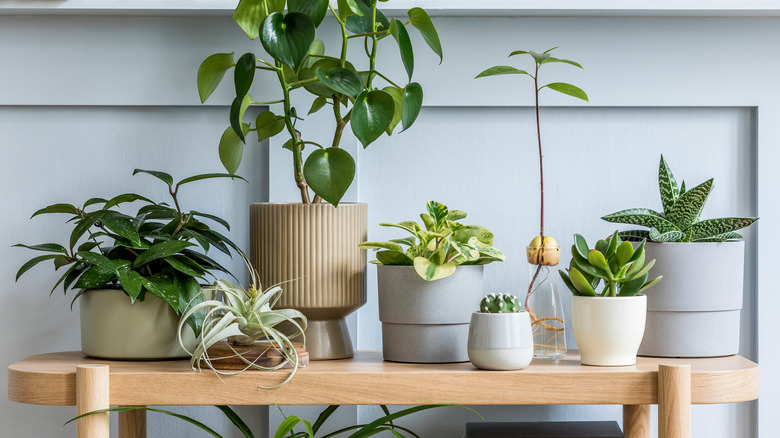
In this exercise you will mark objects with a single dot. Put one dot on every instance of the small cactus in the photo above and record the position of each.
(499, 303)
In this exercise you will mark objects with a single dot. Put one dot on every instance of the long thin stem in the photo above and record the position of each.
(300, 181)
(541, 162)
(372, 58)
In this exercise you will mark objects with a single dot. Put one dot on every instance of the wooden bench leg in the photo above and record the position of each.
(674, 401)
(636, 421)
(91, 395)
(132, 424)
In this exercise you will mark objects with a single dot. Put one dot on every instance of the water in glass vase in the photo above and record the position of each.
(544, 306)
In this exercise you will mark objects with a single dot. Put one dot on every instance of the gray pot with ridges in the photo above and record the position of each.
(695, 310)
(427, 321)
(114, 328)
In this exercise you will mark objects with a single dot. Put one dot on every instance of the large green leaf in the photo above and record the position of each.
(420, 19)
(244, 74)
(358, 24)
(315, 9)
(231, 148)
(502, 70)
(347, 8)
(164, 177)
(632, 287)
(131, 283)
(122, 227)
(371, 115)
(190, 296)
(94, 277)
(249, 14)
(163, 288)
(398, 30)
(211, 71)
(85, 224)
(160, 250)
(398, 98)
(667, 185)
(687, 209)
(237, 110)
(317, 88)
(430, 271)
(394, 258)
(268, 124)
(641, 216)
(341, 80)
(411, 105)
(713, 227)
(568, 89)
(329, 172)
(580, 283)
(34, 261)
(287, 38)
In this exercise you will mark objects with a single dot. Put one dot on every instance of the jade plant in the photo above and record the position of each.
(614, 262)
(436, 251)
(160, 250)
(501, 303)
(299, 62)
(243, 316)
(680, 220)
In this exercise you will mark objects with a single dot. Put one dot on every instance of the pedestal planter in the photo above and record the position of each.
(608, 330)
(313, 250)
(114, 328)
(500, 341)
(695, 310)
(427, 321)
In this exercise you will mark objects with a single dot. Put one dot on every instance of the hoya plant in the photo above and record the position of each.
(680, 220)
(365, 99)
(161, 250)
(437, 250)
(614, 262)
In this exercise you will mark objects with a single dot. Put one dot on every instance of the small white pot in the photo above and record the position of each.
(608, 330)
(500, 341)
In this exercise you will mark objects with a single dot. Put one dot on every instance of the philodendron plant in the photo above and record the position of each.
(299, 61)
(437, 250)
(161, 250)
(614, 262)
(680, 220)
(499, 303)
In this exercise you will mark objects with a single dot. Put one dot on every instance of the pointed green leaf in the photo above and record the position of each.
(341, 80)
(362, 23)
(614, 241)
(329, 172)
(398, 31)
(422, 21)
(371, 115)
(85, 224)
(645, 269)
(207, 176)
(164, 177)
(567, 282)
(568, 89)
(502, 70)
(125, 198)
(51, 247)
(669, 236)
(632, 287)
(667, 185)
(347, 8)
(429, 271)
(581, 246)
(131, 283)
(641, 216)
(713, 227)
(381, 245)
(94, 277)
(565, 61)
(288, 38)
(160, 250)
(411, 105)
(34, 261)
(638, 263)
(519, 52)
(237, 110)
(57, 208)
(244, 74)
(688, 207)
(143, 408)
(317, 105)
(211, 72)
(651, 283)
(268, 124)
(596, 259)
(580, 283)
(315, 9)
(393, 258)
(122, 227)
(231, 148)
(398, 98)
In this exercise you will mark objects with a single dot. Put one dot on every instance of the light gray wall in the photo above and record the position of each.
(84, 100)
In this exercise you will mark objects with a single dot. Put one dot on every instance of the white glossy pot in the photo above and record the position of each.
(608, 330)
(500, 341)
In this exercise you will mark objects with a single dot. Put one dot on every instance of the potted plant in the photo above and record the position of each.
(608, 325)
(418, 274)
(500, 335)
(330, 280)
(240, 330)
(696, 312)
(542, 300)
(135, 273)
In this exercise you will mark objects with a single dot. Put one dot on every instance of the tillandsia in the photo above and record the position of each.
(499, 303)
(614, 262)
(161, 250)
(680, 220)
(243, 316)
(436, 251)
(299, 61)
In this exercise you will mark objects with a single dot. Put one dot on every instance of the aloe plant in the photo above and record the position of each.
(680, 220)
(299, 61)
(614, 262)
(436, 251)
(243, 316)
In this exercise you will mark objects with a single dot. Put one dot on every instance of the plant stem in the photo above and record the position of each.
(541, 162)
(389, 81)
(372, 58)
(300, 181)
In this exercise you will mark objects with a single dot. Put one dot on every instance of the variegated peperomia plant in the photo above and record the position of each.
(680, 220)
(438, 249)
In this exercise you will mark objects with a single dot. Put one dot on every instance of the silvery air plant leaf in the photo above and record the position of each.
(680, 221)
(436, 250)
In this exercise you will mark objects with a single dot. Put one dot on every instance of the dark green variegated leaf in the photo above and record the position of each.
(85, 224)
(216, 219)
(51, 247)
(411, 105)
(422, 21)
(190, 296)
(315, 9)
(391, 246)
(394, 258)
(163, 288)
(160, 250)
(669, 236)
(244, 74)
(125, 198)
(641, 216)
(430, 271)
(438, 212)
(185, 268)
(341, 80)
(211, 72)
(100, 260)
(635, 235)
(288, 38)
(713, 227)
(268, 124)
(565, 61)
(249, 14)
(682, 187)
(717, 238)
(131, 283)
(329, 172)
(398, 98)
(359, 24)
(317, 105)
(465, 233)
(94, 277)
(166, 178)
(122, 227)
(57, 208)
(502, 70)
(687, 209)
(667, 185)
(231, 148)
(237, 110)
(34, 261)
(371, 115)
(568, 89)
(398, 31)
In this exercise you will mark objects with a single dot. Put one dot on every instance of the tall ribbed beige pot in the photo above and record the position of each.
(313, 250)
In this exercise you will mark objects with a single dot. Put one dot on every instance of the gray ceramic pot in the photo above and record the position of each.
(114, 328)
(694, 311)
(427, 321)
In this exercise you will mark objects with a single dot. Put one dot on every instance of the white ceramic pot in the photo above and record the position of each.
(500, 341)
(608, 330)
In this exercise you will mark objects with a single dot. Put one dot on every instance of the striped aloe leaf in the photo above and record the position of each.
(669, 236)
(667, 185)
(635, 235)
(710, 228)
(687, 209)
(643, 217)
(721, 237)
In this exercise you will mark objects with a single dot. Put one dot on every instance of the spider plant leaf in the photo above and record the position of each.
(713, 227)
(143, 408)
(643, 217)
(687, 209)
(323, 417)
(236, 420)
(667, 185)
(368, 429)
(669, 236)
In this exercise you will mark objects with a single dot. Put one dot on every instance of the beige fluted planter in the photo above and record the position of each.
(315, 248)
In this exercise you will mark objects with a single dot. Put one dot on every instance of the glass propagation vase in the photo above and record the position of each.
(544, 306)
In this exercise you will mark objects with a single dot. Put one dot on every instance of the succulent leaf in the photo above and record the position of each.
(667, 186)
(601, 246)
(669, 236)
(624, 253)
(643, 271)
(579, 282)
(584, 266)
(688, 207)
(712, 227)
(614, 241)
(643, 217)
(581, 245)
(632, 287)
(651, 283)
(597, 259)
(567, 281)
(637, 264)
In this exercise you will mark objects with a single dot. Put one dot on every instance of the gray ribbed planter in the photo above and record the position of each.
(694, 311)
(427, 321)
